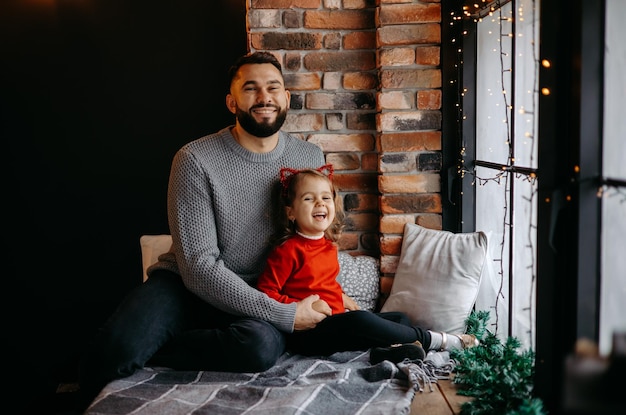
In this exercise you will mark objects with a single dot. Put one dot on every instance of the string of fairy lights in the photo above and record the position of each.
(505, 175)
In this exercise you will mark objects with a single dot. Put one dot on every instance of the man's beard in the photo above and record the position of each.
(262, 129)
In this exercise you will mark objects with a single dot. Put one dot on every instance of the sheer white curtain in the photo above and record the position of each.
(506, 124)
(613, 287)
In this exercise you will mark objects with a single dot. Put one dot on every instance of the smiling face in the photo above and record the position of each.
(313, 206)
(259, 99)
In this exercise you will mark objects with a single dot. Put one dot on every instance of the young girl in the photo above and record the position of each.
(304, 262)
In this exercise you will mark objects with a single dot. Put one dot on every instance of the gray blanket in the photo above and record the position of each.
(344, 383)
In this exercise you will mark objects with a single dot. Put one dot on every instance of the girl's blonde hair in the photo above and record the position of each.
(284, 197)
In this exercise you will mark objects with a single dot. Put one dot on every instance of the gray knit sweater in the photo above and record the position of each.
(218, 202)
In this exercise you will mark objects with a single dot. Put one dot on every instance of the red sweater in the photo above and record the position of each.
(301, 267)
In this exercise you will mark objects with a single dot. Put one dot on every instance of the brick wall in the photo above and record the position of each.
(366, 87)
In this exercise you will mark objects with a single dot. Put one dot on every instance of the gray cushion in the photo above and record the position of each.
(360, 278)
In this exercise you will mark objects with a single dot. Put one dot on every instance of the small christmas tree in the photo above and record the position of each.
(498, 376)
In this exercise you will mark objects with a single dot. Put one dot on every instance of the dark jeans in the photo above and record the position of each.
(357, 330)
(161, 323)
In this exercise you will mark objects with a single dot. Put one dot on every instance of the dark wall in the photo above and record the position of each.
(95, 98)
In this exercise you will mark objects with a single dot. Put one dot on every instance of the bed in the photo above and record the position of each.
(343, 383)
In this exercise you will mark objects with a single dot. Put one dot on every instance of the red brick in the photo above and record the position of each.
(289, 41)
(291, 61)
(390, 244)
(334, 121)
(412, 141)
(430, 221)
(397, 163)
(359, 40)
(343, 161)
(410, 78)
(429, 99)
(291, 19)
(395, 223)
(318, 101)
(409, 120)
(414, 183)
(395, 100)
(332, 80)
(389, 264)
(343, 142)
(410, 203)
(357, 4)
(285, 4)
(340, 61)
(360, 80)
(428, 55)
(360, 202)
(425, 33)
(396, 56)
(409, 13)
(357, 182)
(348, 241)
(332, 41)
(361, 120)
(302, 81)
(341, 101)
(304, 122)
(361, 221)
(264, 19)
(339, 19)
(369, 161)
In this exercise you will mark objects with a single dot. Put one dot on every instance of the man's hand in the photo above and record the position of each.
(308, 316)
(349, 303)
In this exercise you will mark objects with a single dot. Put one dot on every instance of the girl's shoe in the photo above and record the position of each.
(397, 353)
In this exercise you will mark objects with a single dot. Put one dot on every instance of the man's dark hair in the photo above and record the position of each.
(255, 57)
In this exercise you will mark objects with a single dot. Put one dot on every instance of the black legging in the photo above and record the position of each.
(356, 330)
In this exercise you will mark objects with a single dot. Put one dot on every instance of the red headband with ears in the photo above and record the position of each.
(287, 173)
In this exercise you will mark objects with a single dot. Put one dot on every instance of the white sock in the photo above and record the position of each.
(436, 340)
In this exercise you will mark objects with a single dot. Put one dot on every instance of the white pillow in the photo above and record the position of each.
(359, 277)
(438, 276)
(151, 247)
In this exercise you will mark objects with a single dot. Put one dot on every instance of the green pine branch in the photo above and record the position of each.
(498, 376)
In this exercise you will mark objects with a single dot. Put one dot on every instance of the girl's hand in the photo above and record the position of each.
(306, 316)
(349, 303)
(321, 306)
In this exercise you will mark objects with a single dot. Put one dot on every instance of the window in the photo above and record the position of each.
(540, 150)
(500, 85)
(534, 99)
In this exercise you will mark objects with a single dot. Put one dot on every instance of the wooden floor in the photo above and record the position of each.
(443, 400)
